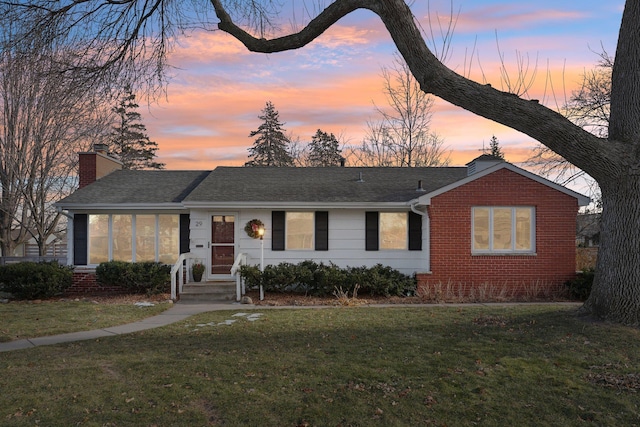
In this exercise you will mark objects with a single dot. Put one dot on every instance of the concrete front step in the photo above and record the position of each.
(208, 291)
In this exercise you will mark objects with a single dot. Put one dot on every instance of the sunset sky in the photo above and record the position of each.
(217, 88)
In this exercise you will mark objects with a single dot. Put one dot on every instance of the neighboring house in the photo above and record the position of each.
(588, 230)
(488, 223)
(587, 240)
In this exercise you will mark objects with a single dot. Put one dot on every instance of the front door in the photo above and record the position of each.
(222, 244)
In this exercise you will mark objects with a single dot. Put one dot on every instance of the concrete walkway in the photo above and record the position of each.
(181, 311)
(174, 314)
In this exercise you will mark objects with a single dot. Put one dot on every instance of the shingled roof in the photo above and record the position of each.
(151, 187)
(263, 185)
(321, 184)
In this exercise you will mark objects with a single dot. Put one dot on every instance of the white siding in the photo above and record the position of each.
(346, 242)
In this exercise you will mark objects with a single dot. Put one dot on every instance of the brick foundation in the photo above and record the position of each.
(489, 292)
(84, 282)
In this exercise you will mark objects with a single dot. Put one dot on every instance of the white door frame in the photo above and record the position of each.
(210, 215)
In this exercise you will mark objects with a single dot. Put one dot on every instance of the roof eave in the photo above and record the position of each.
(581, 198)
(295, 205)
(119, 206)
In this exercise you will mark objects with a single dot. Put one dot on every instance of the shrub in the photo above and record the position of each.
(322, 280)
(280, 278)
(326, 278)
(35, 280)
(385, 281)
(251, 275)
(580, 287)
(138, 277)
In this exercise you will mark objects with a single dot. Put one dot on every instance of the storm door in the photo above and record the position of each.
(222, 244)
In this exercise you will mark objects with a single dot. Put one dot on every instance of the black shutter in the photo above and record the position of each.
(322, 231)
(415, 231)
(80, 229)
(371, 231)
(277, 230)
(184, 233)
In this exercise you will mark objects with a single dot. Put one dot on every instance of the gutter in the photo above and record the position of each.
(62, 212)
(427, 225)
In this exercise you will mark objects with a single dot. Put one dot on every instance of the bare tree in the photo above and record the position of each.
(299, 150)
(613, 161)
(403, 136)
(588, 107)
(47, 116)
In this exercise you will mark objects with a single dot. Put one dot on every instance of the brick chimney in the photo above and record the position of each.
(95, 164)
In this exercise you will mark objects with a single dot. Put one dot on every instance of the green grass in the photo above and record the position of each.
(489, 366)
(26, 320)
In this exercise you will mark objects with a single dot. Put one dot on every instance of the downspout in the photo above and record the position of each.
(69, 234)
(425, 215)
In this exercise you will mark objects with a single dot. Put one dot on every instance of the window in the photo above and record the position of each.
(169, 238)
(133, 238)
(393, 231)
(145, 238)
(98, 238)
(121, 231)
(299, 230)
(503, 229)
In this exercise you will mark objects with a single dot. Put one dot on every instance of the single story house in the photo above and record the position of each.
(488, 223)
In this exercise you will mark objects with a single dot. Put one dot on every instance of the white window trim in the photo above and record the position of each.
(286, 231)
(406, 226)
(513, 250)
(133, 235)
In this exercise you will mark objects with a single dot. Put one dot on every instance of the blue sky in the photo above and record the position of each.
(217, 88)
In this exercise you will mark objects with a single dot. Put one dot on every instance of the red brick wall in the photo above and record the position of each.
(93, 166)
(87, 169)
(452, 263)
(84, 282)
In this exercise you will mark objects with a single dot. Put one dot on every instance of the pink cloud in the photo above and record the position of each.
(219, 88)
(514, 16)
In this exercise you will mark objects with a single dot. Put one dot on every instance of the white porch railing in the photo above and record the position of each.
(179, 269)
(241, 259)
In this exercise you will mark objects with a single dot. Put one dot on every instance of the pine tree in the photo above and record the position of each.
(271, 146)
(324, 150)
(494, 147)
(129, 140)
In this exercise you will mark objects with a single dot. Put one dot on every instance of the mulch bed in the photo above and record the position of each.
(271, 299)
(292, 299)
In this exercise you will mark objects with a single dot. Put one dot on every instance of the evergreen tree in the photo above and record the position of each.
(494, 148)
(129, 140)
(271, 147)
(324, 150)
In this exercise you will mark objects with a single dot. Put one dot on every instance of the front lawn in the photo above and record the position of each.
(25, 319)
(455, 366)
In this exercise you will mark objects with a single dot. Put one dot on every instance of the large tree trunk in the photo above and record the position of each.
(616, 290)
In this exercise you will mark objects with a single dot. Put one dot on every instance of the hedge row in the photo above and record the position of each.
(35, 280)
(138, 277)
(322, 280)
